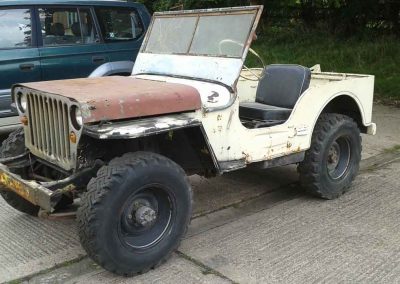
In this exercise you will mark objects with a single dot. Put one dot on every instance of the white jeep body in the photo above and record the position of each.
(204, 51)
(233, 144)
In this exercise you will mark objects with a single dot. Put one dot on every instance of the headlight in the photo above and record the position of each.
(22, 102)
(76, 117)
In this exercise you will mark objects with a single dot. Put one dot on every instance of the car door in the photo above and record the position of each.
(19, 56)
(123, 30)
(70, 43)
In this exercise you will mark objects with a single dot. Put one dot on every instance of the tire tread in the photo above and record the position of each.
(14, 145)
(107, 180)
(309, 169)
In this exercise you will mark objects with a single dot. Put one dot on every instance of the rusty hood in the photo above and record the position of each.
(117, 97)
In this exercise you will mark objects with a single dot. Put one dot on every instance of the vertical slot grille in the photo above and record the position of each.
(49, 127)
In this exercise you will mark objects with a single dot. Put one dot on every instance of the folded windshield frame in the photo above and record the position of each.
(225, 32)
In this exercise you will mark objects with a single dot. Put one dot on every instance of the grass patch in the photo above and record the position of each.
(393, 149)
(376, 55)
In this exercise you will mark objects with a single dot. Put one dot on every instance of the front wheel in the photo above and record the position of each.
(332, 162)
(135, 213)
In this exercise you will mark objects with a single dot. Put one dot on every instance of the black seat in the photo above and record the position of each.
(277, 93)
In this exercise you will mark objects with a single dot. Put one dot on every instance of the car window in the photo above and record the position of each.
(67, 26)
(15, 28)
(119, 24)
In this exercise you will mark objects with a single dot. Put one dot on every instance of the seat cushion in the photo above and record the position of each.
(258, 111)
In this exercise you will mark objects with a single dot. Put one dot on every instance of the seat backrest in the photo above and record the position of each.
(282, 85)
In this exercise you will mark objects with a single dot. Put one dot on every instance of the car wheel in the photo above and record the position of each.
(135, 213)
(332, 162)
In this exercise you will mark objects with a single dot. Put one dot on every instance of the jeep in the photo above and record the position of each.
(122, 147)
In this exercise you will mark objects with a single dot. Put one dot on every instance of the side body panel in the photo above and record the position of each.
(67, 62)
(12, 70)
(230, 141)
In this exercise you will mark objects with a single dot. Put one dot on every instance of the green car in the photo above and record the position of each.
(43, 40)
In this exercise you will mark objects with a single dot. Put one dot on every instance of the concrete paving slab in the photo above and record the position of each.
(388, 131)
(29, 245)
(353, 239)
(176, 270)
(231, 188)
(87, 271)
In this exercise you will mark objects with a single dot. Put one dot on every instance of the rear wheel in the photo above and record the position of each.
(135, 213)
(332, 162)
(13, 146)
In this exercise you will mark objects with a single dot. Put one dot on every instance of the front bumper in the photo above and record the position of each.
(46, 195)
(29, 190)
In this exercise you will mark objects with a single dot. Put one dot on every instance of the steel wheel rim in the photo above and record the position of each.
(338, 158)
(137, 235)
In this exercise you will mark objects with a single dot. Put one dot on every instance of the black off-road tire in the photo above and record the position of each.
(101, 217)
(13, 146)
(332, 131)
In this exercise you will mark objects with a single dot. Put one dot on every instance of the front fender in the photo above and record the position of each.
(112, 68)
(141, 127)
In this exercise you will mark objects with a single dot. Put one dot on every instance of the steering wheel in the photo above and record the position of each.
(230, 41)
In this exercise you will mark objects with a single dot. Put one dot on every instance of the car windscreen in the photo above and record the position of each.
(217, 35)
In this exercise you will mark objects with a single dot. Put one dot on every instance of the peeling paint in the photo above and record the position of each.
(142, 127)
(247, 157)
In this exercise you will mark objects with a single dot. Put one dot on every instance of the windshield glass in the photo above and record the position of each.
(171, 35)
(208, 35)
